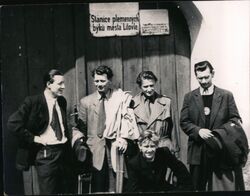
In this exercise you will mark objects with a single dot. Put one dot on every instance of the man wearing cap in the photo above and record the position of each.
(205, 109)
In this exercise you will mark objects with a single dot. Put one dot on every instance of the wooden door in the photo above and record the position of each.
(40, 37)
(168, 56)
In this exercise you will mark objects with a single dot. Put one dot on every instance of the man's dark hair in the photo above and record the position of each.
(149, 75)
(103, 69)
(201, 66)
(49, 76)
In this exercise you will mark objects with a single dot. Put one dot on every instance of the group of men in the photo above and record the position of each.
(139, 128)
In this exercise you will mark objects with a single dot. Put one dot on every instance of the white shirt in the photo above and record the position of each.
(110, 103)
(49, 134)
(209, 91)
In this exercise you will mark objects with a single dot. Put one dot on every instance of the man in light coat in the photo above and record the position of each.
(108, 106)
(153, 111)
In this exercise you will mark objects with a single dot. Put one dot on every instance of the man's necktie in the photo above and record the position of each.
(101, 117)
(147, 107)
(55, 124)
(205, 91)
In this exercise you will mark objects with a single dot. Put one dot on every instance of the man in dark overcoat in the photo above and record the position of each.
(205, 109)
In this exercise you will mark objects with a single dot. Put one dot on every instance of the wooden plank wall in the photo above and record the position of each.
(41, 37)
(80, 27)
(182, 66)
(14, 86)
(168, 70)
(36, 39)
(132, 65)
(38, 33)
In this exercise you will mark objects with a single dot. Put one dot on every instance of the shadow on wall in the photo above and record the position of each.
(193, 18)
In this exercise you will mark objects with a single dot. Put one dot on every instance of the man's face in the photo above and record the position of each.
(102, 83)
(58, 86)
(148, 149)
(205, 78)
(148, 87)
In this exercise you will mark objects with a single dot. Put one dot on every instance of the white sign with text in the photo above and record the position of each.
(114, 19)
(154, 22)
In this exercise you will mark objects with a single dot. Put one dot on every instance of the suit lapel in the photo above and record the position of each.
(139, 109)
(140, 112)
(215, 105)
(200, 105)
(156, 110)
(96, 102)
(63, 112)
(44, 111)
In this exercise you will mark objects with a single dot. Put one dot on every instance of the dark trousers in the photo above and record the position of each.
(100, 179)
(198, 177)
(104, 180)
(201, 174)
(49, 164)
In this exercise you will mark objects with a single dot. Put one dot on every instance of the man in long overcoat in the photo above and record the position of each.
(205, 109)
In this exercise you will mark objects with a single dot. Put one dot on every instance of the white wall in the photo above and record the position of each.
(224, 41)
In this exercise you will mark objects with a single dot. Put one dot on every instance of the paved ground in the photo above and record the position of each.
(246, 173)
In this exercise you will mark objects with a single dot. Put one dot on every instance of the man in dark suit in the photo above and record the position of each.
(41, 127)
(205, 109)
(147, 170)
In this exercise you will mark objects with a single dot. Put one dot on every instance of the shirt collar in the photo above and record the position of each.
(49, 97)
(210, 90)
(151, 99)
(108, 94)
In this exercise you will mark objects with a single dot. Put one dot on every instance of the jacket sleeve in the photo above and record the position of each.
(17, 122)
(191, 129)
(184, 181)
(168, 120)
(233, 110)
(82, 117)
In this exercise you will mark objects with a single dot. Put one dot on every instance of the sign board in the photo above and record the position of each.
(154, 22)
(114, 19)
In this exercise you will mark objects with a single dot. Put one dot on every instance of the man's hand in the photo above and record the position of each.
(122, 144)
(205, 133)
(39, 140)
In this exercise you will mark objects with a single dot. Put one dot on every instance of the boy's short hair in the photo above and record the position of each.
(149, 135)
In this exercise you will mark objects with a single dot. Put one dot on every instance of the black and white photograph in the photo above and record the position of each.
(125, 97)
